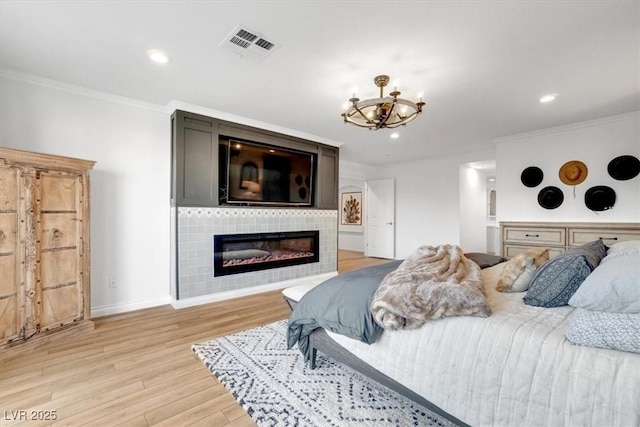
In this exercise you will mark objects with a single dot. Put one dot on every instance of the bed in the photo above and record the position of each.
(515, 367)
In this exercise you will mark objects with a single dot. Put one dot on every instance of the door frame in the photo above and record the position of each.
(369, 212)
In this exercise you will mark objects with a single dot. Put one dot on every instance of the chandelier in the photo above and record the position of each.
(384, 112)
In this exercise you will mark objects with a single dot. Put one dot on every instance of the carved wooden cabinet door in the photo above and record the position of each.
(59, 277)
(45, 255)
(10, 291)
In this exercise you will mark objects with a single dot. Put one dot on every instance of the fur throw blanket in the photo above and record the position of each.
(433, 282)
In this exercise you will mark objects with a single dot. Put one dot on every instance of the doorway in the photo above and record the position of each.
(380, 218)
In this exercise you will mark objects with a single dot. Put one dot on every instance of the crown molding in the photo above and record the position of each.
(168, 109)
(79, 90)
(350, 170)
(572, 126)
(179, 105)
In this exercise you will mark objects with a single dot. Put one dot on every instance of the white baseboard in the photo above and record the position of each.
(220, 296)
(107, 310)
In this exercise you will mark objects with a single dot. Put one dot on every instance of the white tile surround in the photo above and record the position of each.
(196, 227)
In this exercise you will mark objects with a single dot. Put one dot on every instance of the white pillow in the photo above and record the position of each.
(519, 270)
(521, 283)
(629, 247)
(614, 286)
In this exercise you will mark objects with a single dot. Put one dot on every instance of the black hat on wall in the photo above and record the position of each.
(550, 197)
(600, 198)
(623, 168)
(531, 176)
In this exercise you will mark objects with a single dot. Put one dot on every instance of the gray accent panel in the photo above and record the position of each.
(194, 163)
(195, 160)
(266, 137)
(198, 157)
(327, 191)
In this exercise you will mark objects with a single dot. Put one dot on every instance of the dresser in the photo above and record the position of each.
(44, 249)
(559, 236)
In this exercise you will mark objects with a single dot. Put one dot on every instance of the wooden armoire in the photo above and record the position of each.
(44, 249)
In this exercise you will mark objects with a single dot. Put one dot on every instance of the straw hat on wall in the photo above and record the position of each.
(573, 172)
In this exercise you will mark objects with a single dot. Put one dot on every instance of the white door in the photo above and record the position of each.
(379, 236)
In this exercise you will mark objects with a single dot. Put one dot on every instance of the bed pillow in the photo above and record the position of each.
(617, 331)
(613, 287)
(632, 246)
(519, 270)
(484, 260)
(555, 282)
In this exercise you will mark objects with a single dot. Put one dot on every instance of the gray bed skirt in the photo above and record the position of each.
(319, 340)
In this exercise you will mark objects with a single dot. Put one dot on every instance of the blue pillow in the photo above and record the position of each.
(555, 281)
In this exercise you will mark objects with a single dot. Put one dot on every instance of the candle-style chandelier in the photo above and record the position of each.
(383, 112)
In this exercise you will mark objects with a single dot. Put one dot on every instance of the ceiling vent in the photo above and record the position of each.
(249, 44)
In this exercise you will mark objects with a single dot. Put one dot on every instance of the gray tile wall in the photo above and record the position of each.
(197, 226)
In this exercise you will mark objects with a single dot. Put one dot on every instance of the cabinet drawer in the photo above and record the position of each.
(513, 250)
(579, 237)
(541, 236)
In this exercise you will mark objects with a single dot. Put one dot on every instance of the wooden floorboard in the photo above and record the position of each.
(350, 260)
(137, 368)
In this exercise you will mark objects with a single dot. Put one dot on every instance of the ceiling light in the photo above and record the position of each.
(548, 98)
(395, 135)
(383, 112)
(159, 56)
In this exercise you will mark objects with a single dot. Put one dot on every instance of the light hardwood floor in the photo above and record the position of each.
(137, 368)
(350, 260)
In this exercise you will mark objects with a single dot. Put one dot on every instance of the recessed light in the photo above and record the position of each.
(548, 98)
(394, 135)
(159, 56)
(492, 179)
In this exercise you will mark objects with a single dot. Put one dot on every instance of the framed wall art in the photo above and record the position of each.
(351, 208)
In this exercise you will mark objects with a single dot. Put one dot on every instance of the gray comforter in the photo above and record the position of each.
(341, 305)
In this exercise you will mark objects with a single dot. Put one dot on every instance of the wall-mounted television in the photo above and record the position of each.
(258, 174)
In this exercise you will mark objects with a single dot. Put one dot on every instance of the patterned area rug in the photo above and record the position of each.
(277, 389)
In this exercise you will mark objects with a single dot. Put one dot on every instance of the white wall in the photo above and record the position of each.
(129, 185)
(595, 143)
(352, 178)
(428, 200)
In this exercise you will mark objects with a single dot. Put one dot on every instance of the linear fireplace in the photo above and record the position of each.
(241, 253)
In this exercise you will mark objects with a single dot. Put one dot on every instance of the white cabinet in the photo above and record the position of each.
(520, 236)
